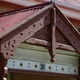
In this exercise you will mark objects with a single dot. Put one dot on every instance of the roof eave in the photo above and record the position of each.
(65, 6)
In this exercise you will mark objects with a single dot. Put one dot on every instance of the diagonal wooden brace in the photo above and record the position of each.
(21, 32)
(24, 31)
(67, 29)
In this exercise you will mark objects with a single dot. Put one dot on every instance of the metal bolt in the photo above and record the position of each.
(49, 67)
(62, 69)
(7, 53)
(21, 33)
(6, 45)
(36, 66)
(34, 25)
(75, 70)
(21, 64)
(14, 41)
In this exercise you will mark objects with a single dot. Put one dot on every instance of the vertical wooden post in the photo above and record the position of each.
(53, 41)
(3, 68)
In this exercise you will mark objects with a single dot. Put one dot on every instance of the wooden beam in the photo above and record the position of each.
(46, 43)
(68, 30)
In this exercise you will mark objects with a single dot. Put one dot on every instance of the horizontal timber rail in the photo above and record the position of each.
(46, 43)
(43, 73)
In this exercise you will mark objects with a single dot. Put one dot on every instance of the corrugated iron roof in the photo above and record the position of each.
(71, 2)
(7, 23)
(34, 2)
(9, 20)
(65, 5)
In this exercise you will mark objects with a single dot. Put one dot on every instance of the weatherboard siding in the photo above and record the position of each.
(41, 54)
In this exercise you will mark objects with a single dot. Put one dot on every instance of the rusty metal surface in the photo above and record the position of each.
(71, 6)
(32, 7)
(10, 19)
(7, 24)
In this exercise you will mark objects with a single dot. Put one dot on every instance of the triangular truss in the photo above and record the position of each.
(47, 15)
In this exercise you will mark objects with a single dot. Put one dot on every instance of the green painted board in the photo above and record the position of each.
(43, 49)
(36, 53)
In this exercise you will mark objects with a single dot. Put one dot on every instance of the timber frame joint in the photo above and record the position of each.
(48, 15)
(9, 45)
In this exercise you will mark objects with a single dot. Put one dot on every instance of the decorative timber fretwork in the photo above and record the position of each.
(60, 38)
(42, 27)
(29, 27)
(10, 40)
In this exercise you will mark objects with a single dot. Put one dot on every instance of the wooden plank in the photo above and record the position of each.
(41, 56)
(43, 49)
(46, 43)
(52, 50)
(68, 30)
(37, 77)
(66, 47)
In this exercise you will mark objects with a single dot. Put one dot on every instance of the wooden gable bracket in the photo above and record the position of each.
(48, 15)
(9, 41)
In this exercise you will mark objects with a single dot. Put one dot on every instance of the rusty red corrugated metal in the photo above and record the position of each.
(34, 2)
(64, 5)
(71, 2)
(9, 22)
